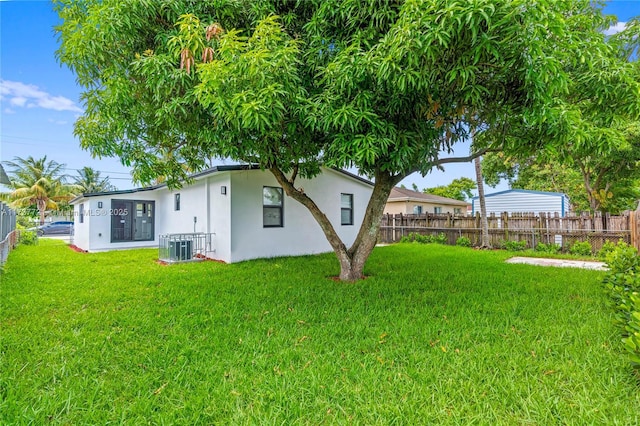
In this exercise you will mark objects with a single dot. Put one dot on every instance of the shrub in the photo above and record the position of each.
(548, 248)
(463, 242)
(607, 248)
(623, 259)
(623, 285)
(514, 245)
(28, 238)
(581, 248)
(422, 239)
(622, 280)
(440, 239)
(632, 341)
(414, 237)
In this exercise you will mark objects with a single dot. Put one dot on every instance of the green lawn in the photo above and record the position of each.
(435, 335)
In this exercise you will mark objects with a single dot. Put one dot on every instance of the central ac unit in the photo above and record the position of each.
(180, 250)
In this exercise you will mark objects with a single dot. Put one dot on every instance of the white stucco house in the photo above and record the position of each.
(524, 201)
(236, 212)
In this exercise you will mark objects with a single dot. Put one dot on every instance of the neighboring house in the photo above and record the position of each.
(242, 209)
(524, 201)
(406, 201)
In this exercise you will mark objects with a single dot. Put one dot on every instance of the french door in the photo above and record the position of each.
(132, 220)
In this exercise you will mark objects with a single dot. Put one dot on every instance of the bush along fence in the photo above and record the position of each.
(622, 284)
(526, 230)
(8, 233)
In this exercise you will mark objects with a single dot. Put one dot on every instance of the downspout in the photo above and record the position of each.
(208, 237)
(208, 198)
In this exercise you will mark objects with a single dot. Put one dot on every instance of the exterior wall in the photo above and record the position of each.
(219, 215)
(96, 234)
(523, 202)
(406, 207)
(300, 234)
(81, 230)
(192, 204)
(204, 201)
(235, 218)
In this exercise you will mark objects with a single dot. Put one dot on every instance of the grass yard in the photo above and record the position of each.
(435, 335)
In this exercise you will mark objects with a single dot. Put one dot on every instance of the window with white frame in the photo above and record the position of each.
(417, 209)
(437, 209)
(346, 209)
(272, 207)
(176, 202)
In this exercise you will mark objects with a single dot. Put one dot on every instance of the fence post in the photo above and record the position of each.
(1, 221)
(504, 221)
(634, 228)
(393, 229)
(544, 227)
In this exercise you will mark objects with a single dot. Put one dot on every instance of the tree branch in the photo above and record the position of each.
(299, 195)
(294, 174)
(466, 159)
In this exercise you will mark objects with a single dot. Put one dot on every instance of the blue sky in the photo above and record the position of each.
(40, 100)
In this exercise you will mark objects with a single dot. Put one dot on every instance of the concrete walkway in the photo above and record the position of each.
(560, 263)
(65, 238)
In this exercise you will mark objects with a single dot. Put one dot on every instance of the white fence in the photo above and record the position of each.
(8, 233)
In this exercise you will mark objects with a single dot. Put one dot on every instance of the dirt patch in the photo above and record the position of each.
(336, 278)
(77, 249)
(199, 257)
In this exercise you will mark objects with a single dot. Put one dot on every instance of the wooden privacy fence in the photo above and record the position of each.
(544, 228)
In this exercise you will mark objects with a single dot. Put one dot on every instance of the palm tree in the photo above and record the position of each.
(90, 181)
(36, 182)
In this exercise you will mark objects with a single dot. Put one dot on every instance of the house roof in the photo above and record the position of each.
(403, 194)
(211, 170)
(524, 191)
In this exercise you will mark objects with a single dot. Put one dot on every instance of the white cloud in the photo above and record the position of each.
(615, 29)
(18, 101)
(9, 111)
(20, 94)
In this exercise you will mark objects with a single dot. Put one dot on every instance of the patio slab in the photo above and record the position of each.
(560, 263)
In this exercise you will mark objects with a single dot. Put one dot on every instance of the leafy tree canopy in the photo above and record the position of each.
(459, 189)
(608, 184)
(294, 85)
(596, 157)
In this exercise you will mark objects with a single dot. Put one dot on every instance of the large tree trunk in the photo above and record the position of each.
(590, 187)
(594, 203)
(353, 259)
(484, 222)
